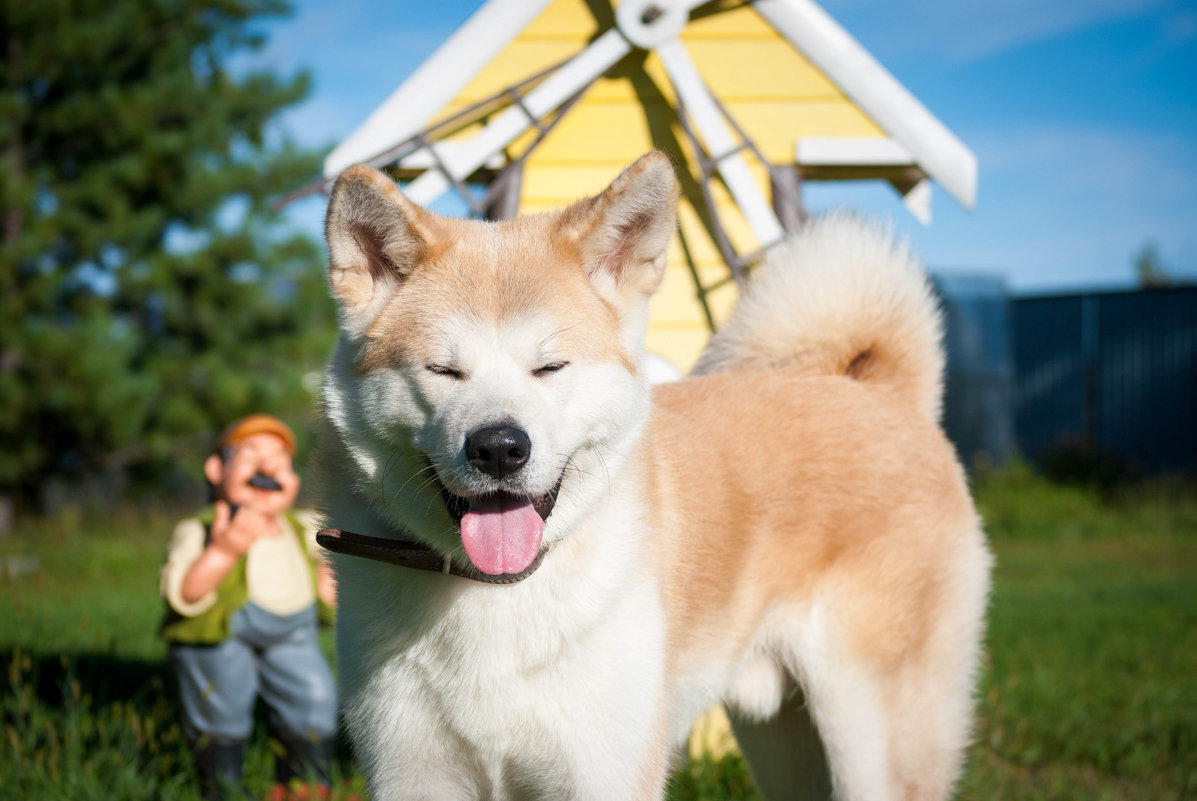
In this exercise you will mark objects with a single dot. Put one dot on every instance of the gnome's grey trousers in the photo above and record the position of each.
(277, 657)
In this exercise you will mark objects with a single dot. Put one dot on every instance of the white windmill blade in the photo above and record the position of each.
(720, 144)
(569, 79)
(917, 199)
(830, 48)
(446, 72)
(640, 23)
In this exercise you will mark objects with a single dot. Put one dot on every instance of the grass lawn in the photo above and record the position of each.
(1089, 689)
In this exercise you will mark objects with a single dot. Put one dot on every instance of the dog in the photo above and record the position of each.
(786, 531)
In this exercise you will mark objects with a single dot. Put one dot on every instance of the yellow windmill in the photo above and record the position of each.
(532, 104)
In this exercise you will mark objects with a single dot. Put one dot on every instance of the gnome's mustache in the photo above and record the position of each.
(264, 482)
(259, 481)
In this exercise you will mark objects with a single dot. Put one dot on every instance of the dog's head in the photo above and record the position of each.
(487, 379)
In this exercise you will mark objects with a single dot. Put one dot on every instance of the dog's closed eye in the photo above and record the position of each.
(551, 367)
(444, 370)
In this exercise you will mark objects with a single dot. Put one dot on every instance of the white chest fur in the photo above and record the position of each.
(541, 689)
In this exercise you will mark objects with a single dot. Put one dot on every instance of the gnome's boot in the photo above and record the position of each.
(220, 762)
(304, 757)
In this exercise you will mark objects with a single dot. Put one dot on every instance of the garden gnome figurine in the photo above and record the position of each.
(245, 587)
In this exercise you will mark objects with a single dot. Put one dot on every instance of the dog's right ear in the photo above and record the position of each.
(375, 236)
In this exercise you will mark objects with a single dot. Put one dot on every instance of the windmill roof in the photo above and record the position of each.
(877, 122)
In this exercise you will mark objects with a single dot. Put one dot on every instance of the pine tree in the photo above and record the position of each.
(147, 294)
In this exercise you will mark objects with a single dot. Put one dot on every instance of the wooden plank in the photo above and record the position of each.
(738, 23)
(519, 61)
(568, 20)
(547, 187)
(735, 70)
(753, 69)
(776, 127)
(676, 302)
(594, 134)
(549, 183)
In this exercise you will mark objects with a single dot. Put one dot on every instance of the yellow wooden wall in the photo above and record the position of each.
(774, 93)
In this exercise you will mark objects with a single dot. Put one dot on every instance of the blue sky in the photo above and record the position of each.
(1082, 114)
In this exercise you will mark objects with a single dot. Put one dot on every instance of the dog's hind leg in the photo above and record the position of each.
(846, 705)
(895, 717)
(829, 739)
(929, 694)
(784, 752)
(826, 733)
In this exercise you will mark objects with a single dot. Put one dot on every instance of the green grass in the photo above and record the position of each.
(86, 712)
(1089, 689)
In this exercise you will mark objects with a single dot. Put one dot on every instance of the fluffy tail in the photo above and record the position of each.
(839, 298)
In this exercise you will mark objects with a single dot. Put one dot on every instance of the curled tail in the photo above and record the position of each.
(841, 297)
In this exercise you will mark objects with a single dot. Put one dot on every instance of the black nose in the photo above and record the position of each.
(499, 450)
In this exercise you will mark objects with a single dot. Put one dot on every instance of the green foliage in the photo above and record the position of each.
(1151, 268)
(68, 747)
(1016, 504)
(709, 778)
(63, 743)
(1088, 690)
(85, 708)
(147, 294)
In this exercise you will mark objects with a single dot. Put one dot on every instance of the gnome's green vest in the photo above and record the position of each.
(212, 625)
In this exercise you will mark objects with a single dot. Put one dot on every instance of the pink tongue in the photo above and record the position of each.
(501, 534)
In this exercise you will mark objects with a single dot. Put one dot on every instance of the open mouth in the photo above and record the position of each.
(458, 505)
(501, 532)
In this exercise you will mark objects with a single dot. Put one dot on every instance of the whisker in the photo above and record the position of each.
(557, 333)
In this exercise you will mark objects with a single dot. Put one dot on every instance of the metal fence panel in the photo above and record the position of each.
(1050, 386)
(1114, 372)
(1147, 379)
(979, 376)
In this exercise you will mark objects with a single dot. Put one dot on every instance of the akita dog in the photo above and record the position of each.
(787, 532)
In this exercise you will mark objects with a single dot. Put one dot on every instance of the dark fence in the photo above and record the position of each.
(1113, 374)
(1098, 378)
(979, 380)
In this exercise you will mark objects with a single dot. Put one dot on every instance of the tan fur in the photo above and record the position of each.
(842, 298)
(863, 504)
(483, 268)
(852, 457)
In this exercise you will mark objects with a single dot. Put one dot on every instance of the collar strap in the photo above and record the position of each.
(416, 555)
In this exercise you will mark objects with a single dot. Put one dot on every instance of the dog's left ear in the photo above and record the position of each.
(624, 232)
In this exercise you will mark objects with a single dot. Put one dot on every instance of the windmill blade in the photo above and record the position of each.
(721, 146)
(640, 23)
(870, 86)
(444, 74)
(572, 77)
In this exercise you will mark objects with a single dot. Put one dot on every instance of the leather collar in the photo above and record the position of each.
(416, 555)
